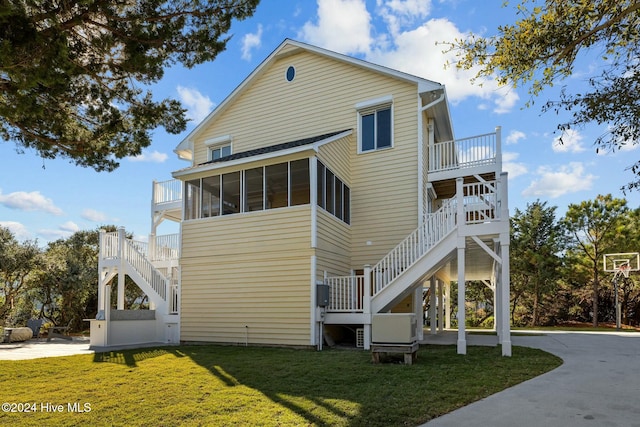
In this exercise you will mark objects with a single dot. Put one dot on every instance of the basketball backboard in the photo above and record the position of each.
(613, 262)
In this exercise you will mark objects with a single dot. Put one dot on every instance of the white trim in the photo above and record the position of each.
(313, 199)
(388, 99)
(280, 153)
(312, 309)
(421, 172)
(218, 140)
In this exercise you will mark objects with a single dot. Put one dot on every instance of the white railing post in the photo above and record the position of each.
(366, 306)
(151, 251)
(498, 148)
(504, 197)
(460, 202)
(122, 268)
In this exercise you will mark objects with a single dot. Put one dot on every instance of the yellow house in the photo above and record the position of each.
(323, 196)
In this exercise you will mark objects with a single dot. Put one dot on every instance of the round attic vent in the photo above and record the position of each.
(291, 73)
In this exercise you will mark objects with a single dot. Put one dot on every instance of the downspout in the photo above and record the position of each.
(432, 103)
(421, 165)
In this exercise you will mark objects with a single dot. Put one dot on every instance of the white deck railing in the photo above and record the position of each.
(167, 191)
(435, 227)
(480, 202)
(346, 294)
(166, 247)
(464, 153)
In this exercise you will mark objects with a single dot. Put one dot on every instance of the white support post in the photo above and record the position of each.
(432, 306)
(497, 308)
(107, 313)
(504, 291)
(121, 268)
(417, 309)
(101, 273)
(498, 148)
(462, 339)
(440, 306)
(366, 307)
(447, 305)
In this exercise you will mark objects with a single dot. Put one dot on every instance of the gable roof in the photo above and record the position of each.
(290, 47)
(310, 143)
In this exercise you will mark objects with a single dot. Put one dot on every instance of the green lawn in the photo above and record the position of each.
(218, 385)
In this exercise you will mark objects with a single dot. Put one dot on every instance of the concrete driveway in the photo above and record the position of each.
(598, 385)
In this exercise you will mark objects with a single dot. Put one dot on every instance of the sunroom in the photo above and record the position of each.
(273, 177)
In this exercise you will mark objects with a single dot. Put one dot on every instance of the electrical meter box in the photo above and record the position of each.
(322, 295)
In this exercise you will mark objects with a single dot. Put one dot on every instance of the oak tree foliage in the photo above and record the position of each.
(541, 50)
(74, 74)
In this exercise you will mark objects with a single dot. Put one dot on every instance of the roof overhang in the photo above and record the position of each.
(312, 148)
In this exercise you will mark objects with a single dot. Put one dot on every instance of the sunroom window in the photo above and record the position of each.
(265, 187)
(333, 194)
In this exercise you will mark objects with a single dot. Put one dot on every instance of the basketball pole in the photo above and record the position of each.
(615, 289)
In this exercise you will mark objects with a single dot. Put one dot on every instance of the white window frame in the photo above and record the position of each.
(218, 143)
(373, 106)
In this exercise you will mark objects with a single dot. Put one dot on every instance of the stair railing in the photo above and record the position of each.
(435, 227)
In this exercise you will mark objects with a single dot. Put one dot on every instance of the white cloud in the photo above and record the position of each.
(410, 44)
(69, 226)
(571, 142)
(150, 156)
(50, 234)
(402, 13)
(33, 201)
(343, 26)
(551, 183)
(251, 41)
(515, 136)
(198, 105)
(510, 165)
(19, 231)
(417, 52)
(93, 215)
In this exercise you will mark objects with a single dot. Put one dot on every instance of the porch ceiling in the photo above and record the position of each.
(478, 263)
(446, 189)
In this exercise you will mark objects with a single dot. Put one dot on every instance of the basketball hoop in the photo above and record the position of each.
(620, 264)
(624, 270)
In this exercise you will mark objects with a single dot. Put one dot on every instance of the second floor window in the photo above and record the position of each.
(376, 128)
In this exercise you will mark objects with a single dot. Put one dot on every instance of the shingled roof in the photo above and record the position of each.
(274, 148)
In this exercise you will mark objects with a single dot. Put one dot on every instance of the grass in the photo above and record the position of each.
(218, 385)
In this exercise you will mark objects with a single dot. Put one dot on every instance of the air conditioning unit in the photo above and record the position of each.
(394, 328)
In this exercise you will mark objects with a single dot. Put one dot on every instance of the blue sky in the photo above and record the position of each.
(51, 199)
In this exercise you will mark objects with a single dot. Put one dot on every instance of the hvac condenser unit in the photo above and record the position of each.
(394, 328)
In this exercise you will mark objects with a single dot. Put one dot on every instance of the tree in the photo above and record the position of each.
(534, 252)
(17, 262)
(72, 72)
(592, 228)
(541, 49)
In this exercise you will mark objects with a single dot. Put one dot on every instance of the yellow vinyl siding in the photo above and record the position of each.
(251, 270)
(334, 246)
(337, 157)
(385, 188)
(320, 99)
